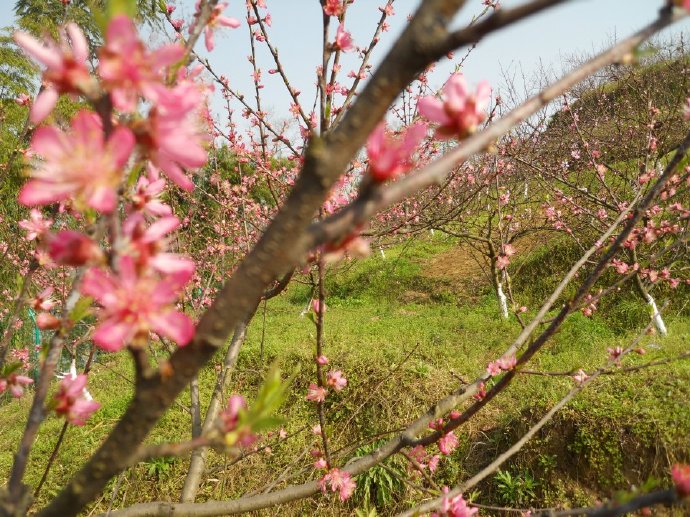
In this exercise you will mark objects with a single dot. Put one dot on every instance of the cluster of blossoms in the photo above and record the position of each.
(334, 379)
(85, 168)
(457, 115)
(503, 364)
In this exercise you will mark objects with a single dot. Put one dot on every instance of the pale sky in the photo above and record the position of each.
(577, 28)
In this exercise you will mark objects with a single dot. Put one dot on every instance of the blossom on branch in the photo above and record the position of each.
(147, 245)
(73, 401)
(128, 68)
(339, 481)
(174, 136)
(333, 7)
(135, 304)
(448, 443)
(454, 507)
(316, 393)
(343, 39)
(336, 380)
(70, 248)
(66, 70)
(78, 164)
(215, 20)
(15, 383)
(390, 157)
(460, 112)
(36, 225)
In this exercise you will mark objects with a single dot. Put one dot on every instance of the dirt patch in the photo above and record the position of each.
(465, 270)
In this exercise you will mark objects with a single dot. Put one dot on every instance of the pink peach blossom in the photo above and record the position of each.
(316, 393)
(333, 7)
(460, 112)
(147, 244)
(70, 248)
(390, 157)
(73, 402)
(36, 225)
(128, 68)
(66, 67)
(43, 301)
(135, 304)
(15, 383)
(336, 380)
(175, 137)
(78, 164)
(343, 39)
(454, 507)
(448, 443)
(146, 196)
(216, 20)
(339, 481)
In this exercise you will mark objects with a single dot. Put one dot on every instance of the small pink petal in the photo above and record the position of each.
(112, 335)
(432, 109)
(43, 106)
(174, 325)
(48, 56)
(80, 47)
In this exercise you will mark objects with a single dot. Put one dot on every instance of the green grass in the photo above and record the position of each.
(399, 357)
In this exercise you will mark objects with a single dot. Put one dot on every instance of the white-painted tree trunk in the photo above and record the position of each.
(432, 231)
(656, 316)
(383, 255)
(503, 301)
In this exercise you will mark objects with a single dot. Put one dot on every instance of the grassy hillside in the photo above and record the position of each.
(405, 330)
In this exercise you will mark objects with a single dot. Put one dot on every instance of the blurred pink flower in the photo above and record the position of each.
(66, 70)
(390, 157)
(134, 304)
(455, 507)
(336, 380)
(333, 7)
(146, 196)
(339, 481)
(580, 376)
(36, 225)
(216, 20)
(460, 112)
(73, 402)
(70, 248)
(15, 383)
(316, 393)
(147, 244)
(128, 68)
(175, 136)
(343, 39)
(448, 443)
(78, 164)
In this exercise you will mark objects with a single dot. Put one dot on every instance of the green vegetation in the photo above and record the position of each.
(399, 356)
